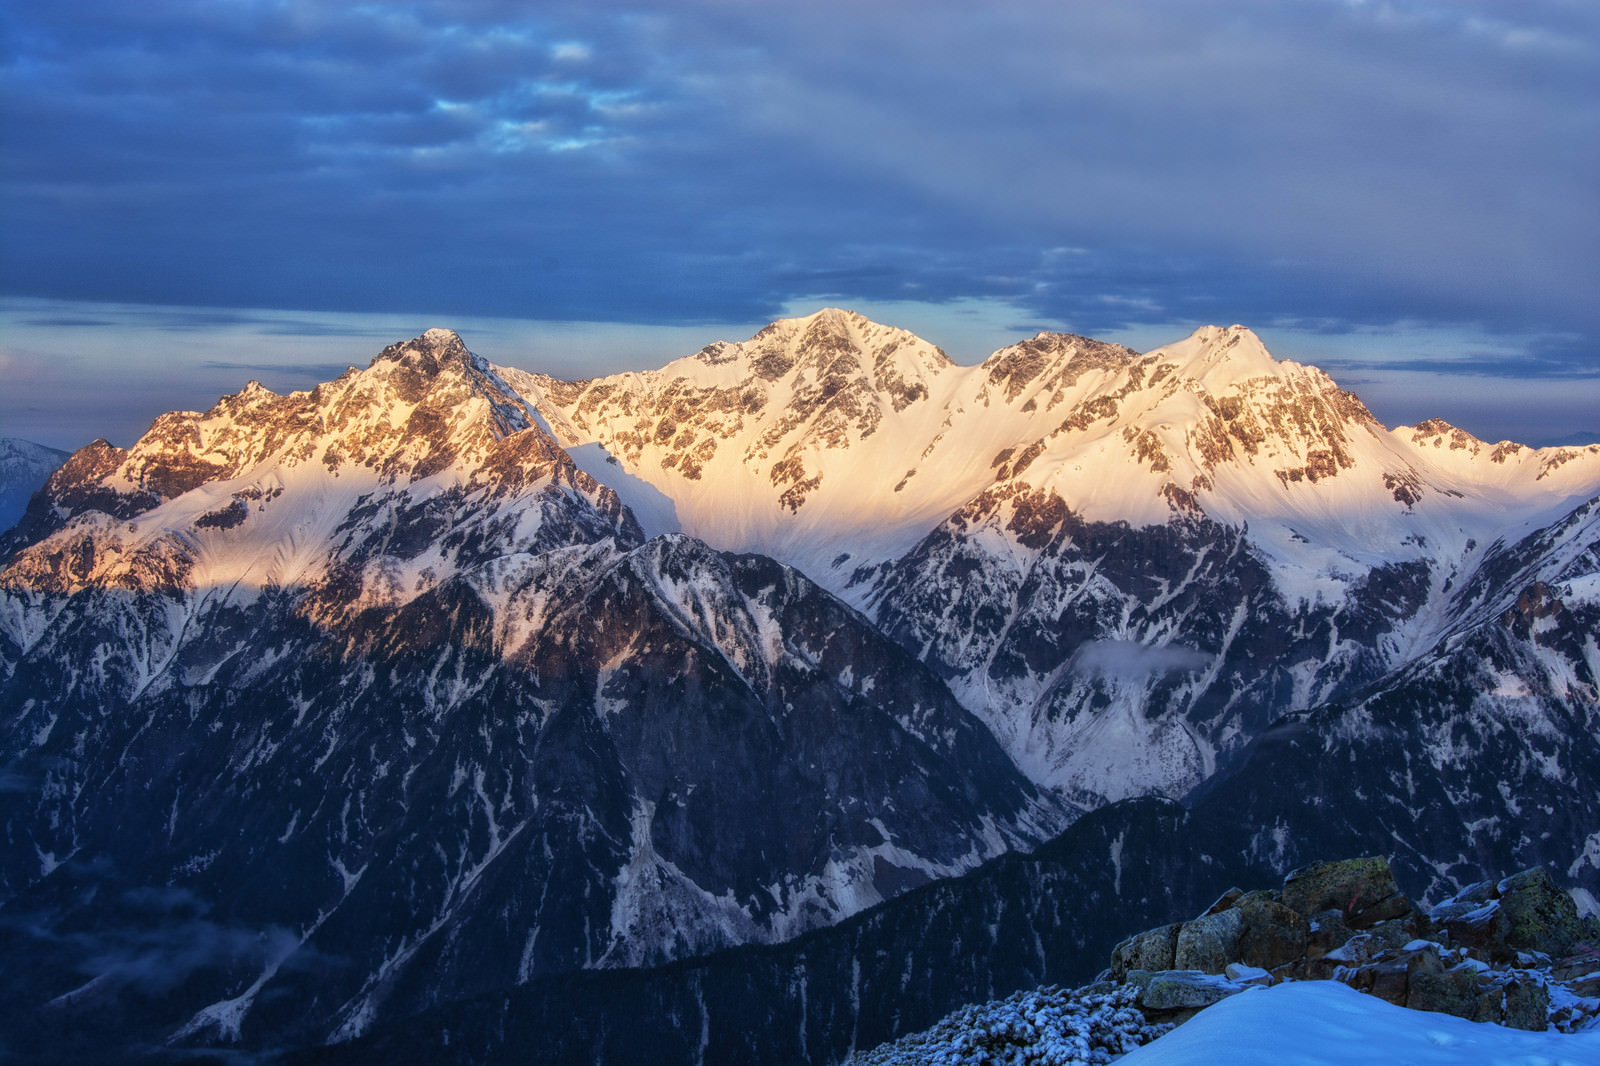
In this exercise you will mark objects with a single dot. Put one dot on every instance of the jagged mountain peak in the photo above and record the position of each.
(386, 625)
(839, 321)
(1451, 449)
(278, 490)
(426, 397)
(1233, 366)
(1213, 333)
(832, 442)
(431, 352)
(1235, 336)
(14, 449)
(1220, 356)
(1049, 363)
(832, 345)
(24, 463)
(1064, 341)
(1436, 432)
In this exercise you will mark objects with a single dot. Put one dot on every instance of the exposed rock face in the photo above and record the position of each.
(779, 420)
(1538, 916)
(1155, 949)
(1523, 913)
(1145, 569)
(1114, 661)
(1179, 994)
(1363, 891)
(1480, 755)
(1271, 933)
(1209, 942)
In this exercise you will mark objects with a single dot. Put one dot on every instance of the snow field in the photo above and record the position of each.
(1325, 1023)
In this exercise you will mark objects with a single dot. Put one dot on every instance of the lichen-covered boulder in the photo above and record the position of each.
(1479, 892)
(1209, 942)
(1362, 890)
(1327, 932)
(1453, 991)
(1182, 990)
(1479, 928)
(1388, 973)
(1270, 934)
(1227, 900)
(1387, 979)
(1525, 1004)
(1154, 949)
(1396, 933)
(1538, 915)
(1493, 921)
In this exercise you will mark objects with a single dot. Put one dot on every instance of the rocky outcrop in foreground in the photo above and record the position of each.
(1514, 952)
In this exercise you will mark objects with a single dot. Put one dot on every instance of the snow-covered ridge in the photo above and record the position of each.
(833, 443)
(1093, 545)
(273, 491)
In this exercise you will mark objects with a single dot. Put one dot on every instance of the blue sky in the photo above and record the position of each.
(195, 192)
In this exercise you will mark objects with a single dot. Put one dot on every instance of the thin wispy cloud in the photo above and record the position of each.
(312, 371)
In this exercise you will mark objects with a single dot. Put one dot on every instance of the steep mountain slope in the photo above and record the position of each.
(1126, 564)
(24, 468)
(1484, 750)
(323, 708)
(783, 444)
(1116, 658)
(390, 479)
(1482, 754)
(1051, 916)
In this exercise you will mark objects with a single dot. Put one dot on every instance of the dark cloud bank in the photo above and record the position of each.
(1096, 165)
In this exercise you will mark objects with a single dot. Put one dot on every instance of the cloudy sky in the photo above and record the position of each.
(197, 192)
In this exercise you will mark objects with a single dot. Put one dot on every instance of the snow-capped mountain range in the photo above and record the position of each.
(1125, 564)
(444, 676)
(832, 432)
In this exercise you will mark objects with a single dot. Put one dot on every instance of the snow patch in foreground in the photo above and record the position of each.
(1325, 1023)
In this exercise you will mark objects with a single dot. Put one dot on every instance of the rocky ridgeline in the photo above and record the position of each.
(1514, 952)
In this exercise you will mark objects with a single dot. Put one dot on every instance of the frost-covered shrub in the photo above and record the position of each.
(1044, 1027)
